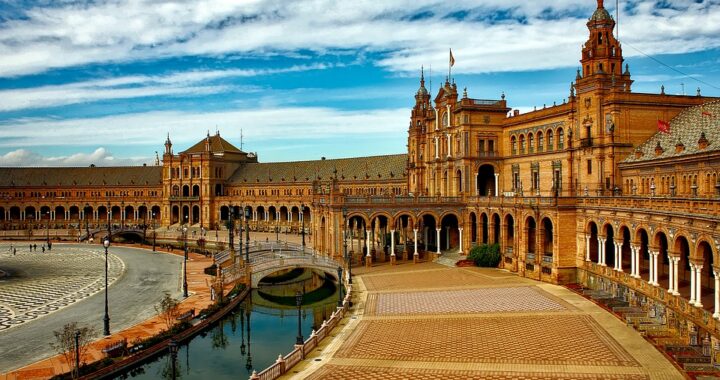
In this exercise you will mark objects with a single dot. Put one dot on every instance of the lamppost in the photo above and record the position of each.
(231, 228)
(77, 352)
(87, 227)
(173, 347)
(277, 233)
(185, 257)
(298, 302)
(144, 225)
(106, 319)
(302, 231)
(347, 254)
(47, 229)
(154, 230)
(340, 287)
(122, 212)
(247, 235)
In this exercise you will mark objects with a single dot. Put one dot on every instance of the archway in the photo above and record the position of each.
(530, 238)
(509, 234)
(682, 249)
(186, 191)
(224, 213)
(473, 227)
(547, 243)
(129, 213)
(485, 228)
(707, 277)
(196, 190)
(486, 180)
(380, 237)
(14, 213)
(195, 214)
(660, 243)
(74, 212)
(449, 234)
(115, 213)
(609, 247)
(643, 241)
(592, 244)
(428, 225)
(59, 213)
(625, 249)
(496, 228)
(155, 212)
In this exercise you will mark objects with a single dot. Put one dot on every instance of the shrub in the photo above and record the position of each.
(485, 255)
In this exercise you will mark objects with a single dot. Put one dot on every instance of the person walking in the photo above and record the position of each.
(43, 248)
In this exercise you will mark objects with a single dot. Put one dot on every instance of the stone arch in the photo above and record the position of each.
(74, 212)
(129, 212)
(260, 212)
(449, 234)
(185, 214)
(660, 243)
(642, 241)
(15, 213)
(530, 232)
(59, 213)
(592, 234)
(186, 191)
(224, 213)
(550, 140)
(474, 226)
(681, 248)
(155, 213)
(196, 190)
(485, 233)
(272, 214)
(195, 214)
(509, 229)
(708, 257)
(485, 180)
(547, 238)
(458, 182)
(497, 229)
(626, 253)
(608, 233)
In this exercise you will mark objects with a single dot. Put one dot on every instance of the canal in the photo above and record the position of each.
(252, 335)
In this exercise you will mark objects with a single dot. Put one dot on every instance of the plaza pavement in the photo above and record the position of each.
(428, 321)
(132, 298)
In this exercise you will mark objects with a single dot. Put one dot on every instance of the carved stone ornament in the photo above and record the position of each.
(588, 102)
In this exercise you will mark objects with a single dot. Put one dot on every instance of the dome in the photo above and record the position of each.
(600, 14)
(422, 91)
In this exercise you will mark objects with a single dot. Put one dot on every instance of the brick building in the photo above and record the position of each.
(585, 191)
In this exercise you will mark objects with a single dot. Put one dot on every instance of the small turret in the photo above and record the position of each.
(168, 145)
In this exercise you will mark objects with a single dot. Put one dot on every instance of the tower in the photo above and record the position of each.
(168, 145)
(416, 140)
(602, 57)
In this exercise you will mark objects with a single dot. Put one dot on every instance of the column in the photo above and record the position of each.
(460, 229)
(449, 138)
(497, 185)
(615, 255)
(437, 122)
(716, 315)
(587, 248)
(425, 237)
(447, 238)
(655, 269)
(437, 147)
(675, 276)
(22, 214)
(415, 231)
(692, 284)
(651, 275)
(367, 243)
(698, 285)
(671, 281)
(601, 251)
(437, 235)
(392, 242)
(477, 192)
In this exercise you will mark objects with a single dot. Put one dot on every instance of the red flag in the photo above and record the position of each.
(452, 59)
(663, 126)
(706, 113)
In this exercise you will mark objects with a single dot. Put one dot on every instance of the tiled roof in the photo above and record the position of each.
(217, 145)
(86, 176)
(358, 168)
(686, 128)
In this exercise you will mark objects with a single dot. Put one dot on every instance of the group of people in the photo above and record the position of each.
(33, 247)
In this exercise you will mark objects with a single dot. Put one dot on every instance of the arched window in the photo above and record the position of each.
(531, 143)
(551, 140)
(540, 142)
(513, 145)
(522, 144)
(445, 119)
(561, 139)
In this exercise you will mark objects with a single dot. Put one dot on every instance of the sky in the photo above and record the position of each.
(105, 81)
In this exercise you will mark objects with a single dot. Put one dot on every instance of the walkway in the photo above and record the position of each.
(132, 314)
(428, 321)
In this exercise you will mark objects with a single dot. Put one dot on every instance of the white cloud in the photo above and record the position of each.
(535, 34)
(99, 157)
(188, 83)
(258, 124)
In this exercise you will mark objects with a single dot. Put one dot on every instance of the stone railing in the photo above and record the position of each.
(284, 364)
(699, 206)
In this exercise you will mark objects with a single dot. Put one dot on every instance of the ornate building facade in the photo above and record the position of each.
(587, 191)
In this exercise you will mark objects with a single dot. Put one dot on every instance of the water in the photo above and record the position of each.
(233, 348)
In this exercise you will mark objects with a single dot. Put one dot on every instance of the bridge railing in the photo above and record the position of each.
(284, 364)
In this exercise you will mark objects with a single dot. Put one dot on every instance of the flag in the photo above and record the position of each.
(663, 126)
(452, 59)
(706, 113)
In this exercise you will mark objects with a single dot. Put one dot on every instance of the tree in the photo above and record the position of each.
(168, 309)
(65, 345)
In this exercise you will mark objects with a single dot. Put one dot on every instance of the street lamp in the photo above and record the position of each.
(77, 352)
(47, 230)
(340, 287)
(87, 227)
(185, 257)
(298, 302)
(247, 235)
(154, 230)
(106, 319)
(302, 231)
(173, 347)
(231, 222)
(347, 254)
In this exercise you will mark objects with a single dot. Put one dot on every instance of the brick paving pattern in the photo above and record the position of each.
(486, 300)
(340, 372)
(552, 339)
(445, 278)
(47, 282)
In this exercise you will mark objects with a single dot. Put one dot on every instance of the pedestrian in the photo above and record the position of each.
(43, 248)
(30, 247)
(14, 251)
(35, 247)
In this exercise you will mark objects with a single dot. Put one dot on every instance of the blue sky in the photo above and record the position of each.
(105, 81)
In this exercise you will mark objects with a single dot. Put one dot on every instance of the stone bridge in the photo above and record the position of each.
(100, 233)
(268, 258)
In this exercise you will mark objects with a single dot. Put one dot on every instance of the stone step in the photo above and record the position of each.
(627, 309)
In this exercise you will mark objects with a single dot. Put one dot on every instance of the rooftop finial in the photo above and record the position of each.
(600, 4)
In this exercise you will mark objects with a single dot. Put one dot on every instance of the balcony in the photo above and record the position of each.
(177, 198)
(488, 154)
(586, 142)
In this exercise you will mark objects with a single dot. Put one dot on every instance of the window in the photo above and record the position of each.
(531, 143)
(513, 143)
(491, 147)
(522, 144)
(561, 139)
(481, 147)
(540, 142)
(589, 166)
(551, 141)
(445, 116)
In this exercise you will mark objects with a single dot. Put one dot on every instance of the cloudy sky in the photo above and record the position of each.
(104, 81)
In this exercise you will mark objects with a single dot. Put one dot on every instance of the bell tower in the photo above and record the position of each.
(602, 58)
(416, 137)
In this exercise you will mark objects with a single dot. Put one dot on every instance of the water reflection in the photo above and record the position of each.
(223, 352)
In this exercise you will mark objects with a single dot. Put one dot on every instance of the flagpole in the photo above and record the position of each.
(450, 66)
